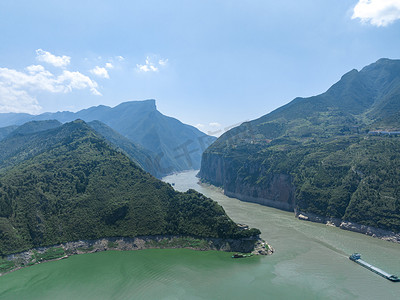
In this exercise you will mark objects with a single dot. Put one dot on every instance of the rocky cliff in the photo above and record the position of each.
(276, 190)
(334, 155)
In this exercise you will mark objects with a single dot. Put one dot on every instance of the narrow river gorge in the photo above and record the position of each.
(310, 262)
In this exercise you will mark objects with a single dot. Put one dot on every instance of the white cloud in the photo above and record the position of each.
(16, 87)
(147, 68)
(38, 78)
(377, 12)
(163, 62)
(100, 72)
(33, 69)
(212, 128)
(12, 100)
(76, 80)
(150, 65)
(120, 58)
(214, 124)
(57, 61)
(109, 65)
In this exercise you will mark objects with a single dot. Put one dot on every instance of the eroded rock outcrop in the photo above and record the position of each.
(276, 190)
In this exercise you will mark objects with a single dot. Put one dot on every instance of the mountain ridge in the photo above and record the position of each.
(326, 149)
(76, 186)
(177, 146)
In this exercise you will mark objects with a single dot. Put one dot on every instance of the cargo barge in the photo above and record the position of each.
(356, 257)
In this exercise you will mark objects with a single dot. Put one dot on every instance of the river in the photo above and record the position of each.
(310, 262)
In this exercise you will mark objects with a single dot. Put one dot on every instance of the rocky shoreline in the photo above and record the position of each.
(256, 246)
(346, 225)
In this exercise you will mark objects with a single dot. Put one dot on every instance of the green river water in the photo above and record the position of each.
(310, 262)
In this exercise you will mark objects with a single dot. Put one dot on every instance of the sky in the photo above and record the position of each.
(212, 64)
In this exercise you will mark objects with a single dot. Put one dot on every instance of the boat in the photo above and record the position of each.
(240, 255)
(356, 257)
(237, 255)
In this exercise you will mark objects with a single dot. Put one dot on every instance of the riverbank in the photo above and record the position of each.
(382, 234)
(13, 262)
(310, 262)
(379, 233)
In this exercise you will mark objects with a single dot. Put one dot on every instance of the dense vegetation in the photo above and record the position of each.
(73, 185)
(329, 145)
(4, 131)
(141, 156)
(20, 143)
(176, 146)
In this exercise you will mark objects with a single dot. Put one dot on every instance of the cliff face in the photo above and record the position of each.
(278, 193)
(334, 155)
(277, 190)
(213, 169)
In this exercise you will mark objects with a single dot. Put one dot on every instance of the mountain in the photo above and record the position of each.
(34, 127)
(4, 131)
(73, 185)
(334, 155)
(177, 146)
(27, 141)
(22, 143)
(143, 157)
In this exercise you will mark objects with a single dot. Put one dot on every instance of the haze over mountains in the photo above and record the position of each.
(173, 146)
(4, 131)
(67, 183)
(324, 155)
(145, 158)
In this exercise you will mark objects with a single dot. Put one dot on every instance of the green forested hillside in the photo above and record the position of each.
(22, 142)
(35, 126)
(4, 131)
(27, 141)
(330, 148)
(143, 157)
(78, 187)
(176, 146)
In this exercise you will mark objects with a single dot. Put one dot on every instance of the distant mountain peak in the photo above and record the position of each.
(386, 60)
(349, 74)
(382, 63)
(176, 146)
(149, 104)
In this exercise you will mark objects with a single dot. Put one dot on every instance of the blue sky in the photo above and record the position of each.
(211, 64)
